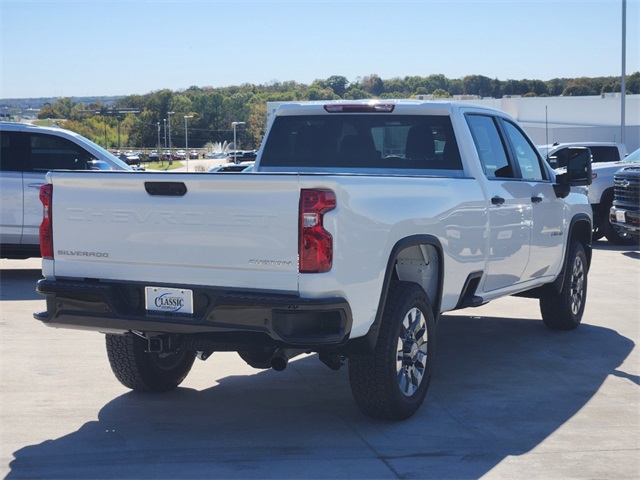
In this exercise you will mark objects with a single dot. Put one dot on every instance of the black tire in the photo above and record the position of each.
(392, 382)
(614, 234)
(563, 310)
(139, 370)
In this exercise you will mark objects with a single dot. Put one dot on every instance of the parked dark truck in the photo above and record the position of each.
(361, 223)
(625, 212)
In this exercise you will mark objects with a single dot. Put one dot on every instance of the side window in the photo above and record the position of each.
(525, 153)
(491, 149)
(604, 154)
(11, 151)
(50, 152)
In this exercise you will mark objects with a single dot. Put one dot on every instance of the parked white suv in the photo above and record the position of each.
(556, 153)
(607, 158)
(27, 153)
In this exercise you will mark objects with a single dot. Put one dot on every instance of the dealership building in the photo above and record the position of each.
(561, 119)
(574, 119)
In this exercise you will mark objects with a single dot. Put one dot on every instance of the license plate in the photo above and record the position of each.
(169, 300)
(620, 216)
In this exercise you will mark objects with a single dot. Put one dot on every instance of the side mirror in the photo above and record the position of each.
(578, 172)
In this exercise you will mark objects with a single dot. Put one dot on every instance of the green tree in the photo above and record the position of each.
(477, 85)
(372, 84)
(338, 84)
(440, 93)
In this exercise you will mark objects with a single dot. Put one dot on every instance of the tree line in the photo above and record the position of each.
(141, 120)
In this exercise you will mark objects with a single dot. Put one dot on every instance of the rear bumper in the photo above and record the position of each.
(285, 320)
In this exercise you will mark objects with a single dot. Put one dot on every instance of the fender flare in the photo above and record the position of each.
(367, 342)
(580, 229)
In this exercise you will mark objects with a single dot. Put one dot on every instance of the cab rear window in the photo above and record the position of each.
(362, 141)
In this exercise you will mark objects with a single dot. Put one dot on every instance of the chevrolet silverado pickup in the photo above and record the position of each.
(360, 224)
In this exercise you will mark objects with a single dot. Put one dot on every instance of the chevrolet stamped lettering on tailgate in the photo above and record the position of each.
(158, 217)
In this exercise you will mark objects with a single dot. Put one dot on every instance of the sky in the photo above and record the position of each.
(63, 48)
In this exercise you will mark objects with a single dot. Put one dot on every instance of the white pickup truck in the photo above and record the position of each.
(361, 223)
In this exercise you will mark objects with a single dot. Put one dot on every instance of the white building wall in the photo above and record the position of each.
(564, 119)
(573, 119)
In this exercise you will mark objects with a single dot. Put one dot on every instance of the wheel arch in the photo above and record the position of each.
(417, 259)
(580, 230)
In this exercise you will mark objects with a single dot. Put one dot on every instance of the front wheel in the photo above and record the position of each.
(392, 381)
(563, 310)
(140, 370)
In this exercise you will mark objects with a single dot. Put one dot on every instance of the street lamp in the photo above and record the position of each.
(158, 144)
(165, 133)
(169, 115)
(186, 140)
(235, 146)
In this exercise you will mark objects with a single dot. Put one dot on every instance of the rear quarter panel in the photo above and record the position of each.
(374, 213)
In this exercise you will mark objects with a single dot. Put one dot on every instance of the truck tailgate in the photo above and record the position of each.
(231, 230)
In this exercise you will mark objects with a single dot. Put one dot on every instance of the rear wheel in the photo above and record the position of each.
(140, 370)
(563, 310)
(392, 381)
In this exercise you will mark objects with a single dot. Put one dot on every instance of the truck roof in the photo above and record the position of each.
(388, 106)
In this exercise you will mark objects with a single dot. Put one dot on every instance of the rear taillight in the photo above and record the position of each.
(315, 247)
(46, 228)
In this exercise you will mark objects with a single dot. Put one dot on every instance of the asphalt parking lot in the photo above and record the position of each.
(509, 400)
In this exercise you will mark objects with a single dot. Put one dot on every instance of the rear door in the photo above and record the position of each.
(510, 212)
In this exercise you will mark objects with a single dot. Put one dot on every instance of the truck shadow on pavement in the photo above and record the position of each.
(502, 386)
(19, 284)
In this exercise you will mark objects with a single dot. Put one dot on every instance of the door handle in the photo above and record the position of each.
(35, 185)
(497, 200)
(536, 200)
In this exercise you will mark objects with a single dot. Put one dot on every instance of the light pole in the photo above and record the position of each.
(235, 146)
(158, 144)
(186, 140)
(623, 76)
(169, 116)
(165, 133)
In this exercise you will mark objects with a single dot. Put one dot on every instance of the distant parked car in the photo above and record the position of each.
(556, 154)
(166, 154)
(194, 154)
(130, 157)
(232, 167)
(216, 155)
(242, 156)
(180, 155)
(154, 156)
(606, 158)
(624, 215)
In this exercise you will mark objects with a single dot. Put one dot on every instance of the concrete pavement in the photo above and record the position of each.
(509, 399)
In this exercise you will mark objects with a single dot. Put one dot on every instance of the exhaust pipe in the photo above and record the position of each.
(279, 360)
(281, 357)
